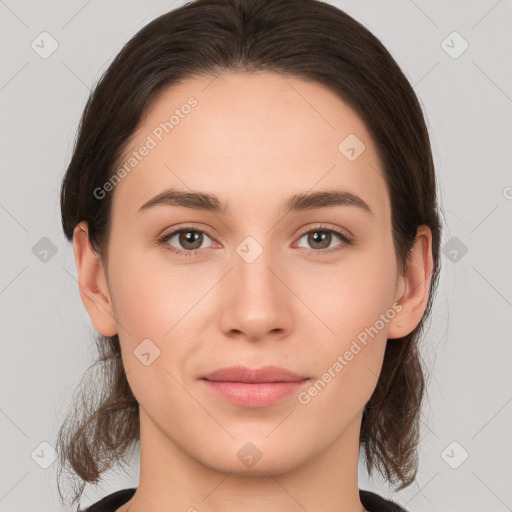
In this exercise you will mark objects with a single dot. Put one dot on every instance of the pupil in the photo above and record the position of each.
(321, 236)
(190, 237)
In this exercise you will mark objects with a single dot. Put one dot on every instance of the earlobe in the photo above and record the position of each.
(92, 282)
(413, 286)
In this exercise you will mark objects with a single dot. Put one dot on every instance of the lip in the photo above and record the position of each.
(253, 387)
(251, 376)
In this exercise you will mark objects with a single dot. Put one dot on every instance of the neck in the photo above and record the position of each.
(171, 479)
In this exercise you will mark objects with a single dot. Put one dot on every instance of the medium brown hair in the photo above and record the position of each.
(306, 39)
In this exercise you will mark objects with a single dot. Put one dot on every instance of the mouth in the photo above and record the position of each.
(254, 387)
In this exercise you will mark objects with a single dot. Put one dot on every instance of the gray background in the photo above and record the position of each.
(47, 337)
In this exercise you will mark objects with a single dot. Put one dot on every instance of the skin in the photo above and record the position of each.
(253, 140)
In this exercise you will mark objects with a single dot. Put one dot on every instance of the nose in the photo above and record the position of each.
(256, 301)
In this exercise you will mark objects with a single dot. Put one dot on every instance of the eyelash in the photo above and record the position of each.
(191, 254)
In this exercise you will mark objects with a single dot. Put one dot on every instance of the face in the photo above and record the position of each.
(256, 276)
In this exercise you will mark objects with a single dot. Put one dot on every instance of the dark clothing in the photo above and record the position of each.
(371, 502)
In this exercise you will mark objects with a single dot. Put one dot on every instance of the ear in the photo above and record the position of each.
(412, 288)
(92, 282)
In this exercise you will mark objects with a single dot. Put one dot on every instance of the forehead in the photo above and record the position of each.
(248, 138)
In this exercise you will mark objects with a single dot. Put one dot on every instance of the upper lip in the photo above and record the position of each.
(248, 375)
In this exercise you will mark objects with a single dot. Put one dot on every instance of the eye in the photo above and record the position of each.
(320, 238)
(189, 239)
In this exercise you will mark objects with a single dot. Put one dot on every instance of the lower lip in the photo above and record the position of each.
(259, 394)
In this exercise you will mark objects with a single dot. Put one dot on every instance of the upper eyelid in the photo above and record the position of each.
(326, 228)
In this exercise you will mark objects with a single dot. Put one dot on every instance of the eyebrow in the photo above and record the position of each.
(296, 203)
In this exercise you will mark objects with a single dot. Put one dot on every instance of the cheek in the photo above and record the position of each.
(149, 307)
(355, 307)
(157, 303)
(149, 298)
(350, 297)
(139, 306)
(348, 362)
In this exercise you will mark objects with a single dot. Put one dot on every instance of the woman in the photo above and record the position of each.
(252, 205)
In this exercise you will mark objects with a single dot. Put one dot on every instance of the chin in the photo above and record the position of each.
(257, 458)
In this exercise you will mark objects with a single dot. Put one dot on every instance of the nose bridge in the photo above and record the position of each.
(253, 261)
(256, 302)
